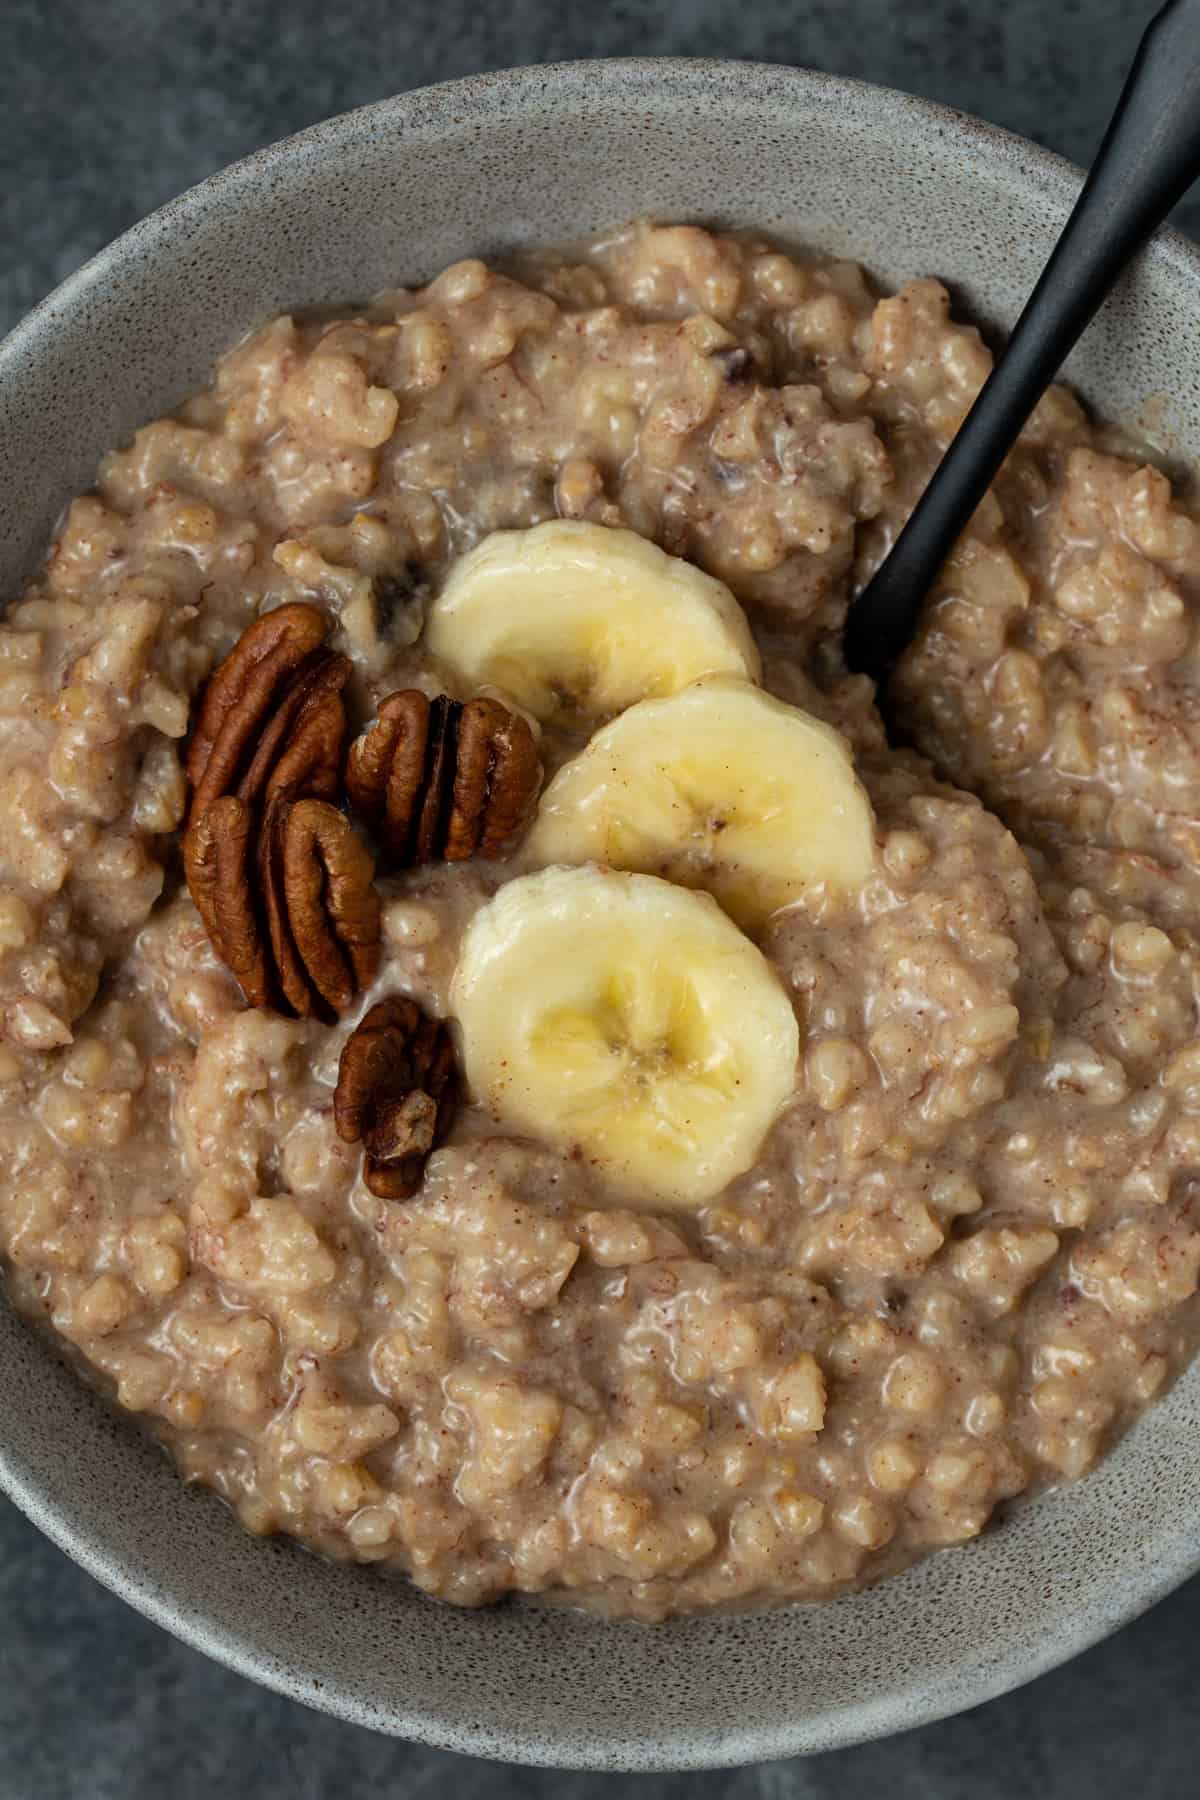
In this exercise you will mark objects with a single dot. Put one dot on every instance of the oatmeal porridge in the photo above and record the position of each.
(502, 1067)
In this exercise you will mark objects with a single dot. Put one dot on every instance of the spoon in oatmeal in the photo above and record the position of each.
(1149, 158)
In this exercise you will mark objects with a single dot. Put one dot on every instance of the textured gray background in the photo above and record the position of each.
(107, 108)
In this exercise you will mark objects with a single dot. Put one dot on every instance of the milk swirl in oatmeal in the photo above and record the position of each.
(962, 1260)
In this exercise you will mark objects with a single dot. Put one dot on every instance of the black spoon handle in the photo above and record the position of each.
(1149, 158)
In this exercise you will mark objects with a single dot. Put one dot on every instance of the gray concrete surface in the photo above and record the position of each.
(107, 108)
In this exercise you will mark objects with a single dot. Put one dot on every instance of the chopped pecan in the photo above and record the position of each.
(322, 910)
(272, 715)
(443, 780)
(396, 1091)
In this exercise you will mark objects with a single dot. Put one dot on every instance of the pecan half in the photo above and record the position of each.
(220, 856)
(443, 780)
(300, 750)
(322, 910)
(270, 730)
(271, 713)
(396, 1091)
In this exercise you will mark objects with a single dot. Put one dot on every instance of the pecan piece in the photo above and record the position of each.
(322, 910)
(443, 780)
(396, 1091)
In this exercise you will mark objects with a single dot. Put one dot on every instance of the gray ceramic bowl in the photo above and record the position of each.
(393, 193)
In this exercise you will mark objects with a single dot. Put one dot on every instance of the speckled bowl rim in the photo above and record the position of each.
(1021, 167)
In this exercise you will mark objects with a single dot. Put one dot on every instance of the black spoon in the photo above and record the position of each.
(1149, 158)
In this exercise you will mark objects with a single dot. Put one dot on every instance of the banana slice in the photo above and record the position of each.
(721, 787)
(577, 621)
(628, 1019)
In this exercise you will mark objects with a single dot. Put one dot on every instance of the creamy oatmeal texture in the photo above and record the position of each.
(962, 1260)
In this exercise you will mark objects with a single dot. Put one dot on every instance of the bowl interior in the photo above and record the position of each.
(392, 194)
